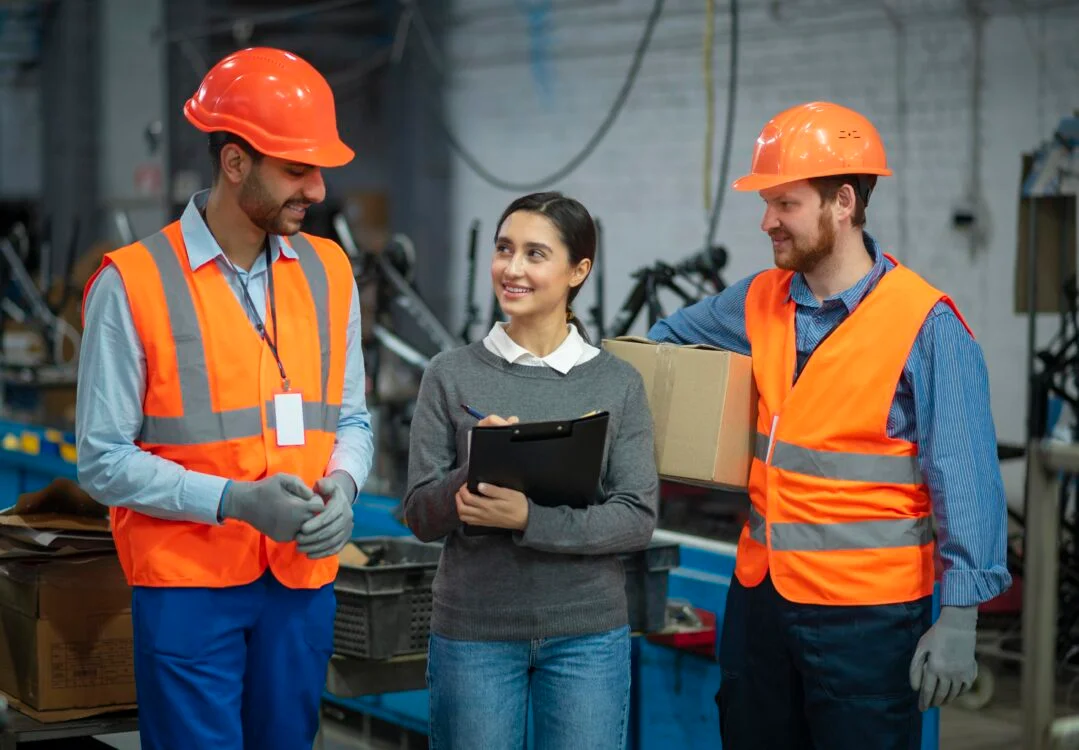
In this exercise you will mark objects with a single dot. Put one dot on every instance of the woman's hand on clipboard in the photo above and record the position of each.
(493, 420)
(494, 506)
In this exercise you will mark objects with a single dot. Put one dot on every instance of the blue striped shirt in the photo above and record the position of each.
(941, 404)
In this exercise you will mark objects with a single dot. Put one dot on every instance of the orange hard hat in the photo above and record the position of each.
(818, 139)
(275, 101)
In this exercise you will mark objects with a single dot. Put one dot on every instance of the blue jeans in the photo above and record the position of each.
(808, 677)
(240, 668)
(578, 688)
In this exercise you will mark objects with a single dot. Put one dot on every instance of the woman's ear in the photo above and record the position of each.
(580, 272)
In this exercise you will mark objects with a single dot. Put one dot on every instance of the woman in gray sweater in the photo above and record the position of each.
(538, 613)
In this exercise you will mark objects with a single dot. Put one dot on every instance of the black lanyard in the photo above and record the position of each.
(273, 314)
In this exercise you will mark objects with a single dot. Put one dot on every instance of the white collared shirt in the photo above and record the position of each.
(570, 353)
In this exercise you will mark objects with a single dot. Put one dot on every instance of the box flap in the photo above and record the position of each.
(644, 340)
(52, 521)
(71, 714)
(57, 587)
(61, 506)
(632, 339)
(61, 495)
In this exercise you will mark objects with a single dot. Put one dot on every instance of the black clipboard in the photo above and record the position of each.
(553, 463)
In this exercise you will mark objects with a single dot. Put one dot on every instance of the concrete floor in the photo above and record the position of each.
(994, 727)
(335, 736)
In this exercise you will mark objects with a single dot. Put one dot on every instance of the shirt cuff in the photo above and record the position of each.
(967, 588)
(201, 496)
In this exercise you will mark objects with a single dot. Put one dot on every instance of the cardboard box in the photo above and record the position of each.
(66, 645)
(704, 405)
(1054, 251)
(65, 626)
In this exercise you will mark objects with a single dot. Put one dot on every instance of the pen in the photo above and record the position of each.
(472, 411)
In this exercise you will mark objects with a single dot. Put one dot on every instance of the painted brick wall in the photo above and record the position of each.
(525, 115)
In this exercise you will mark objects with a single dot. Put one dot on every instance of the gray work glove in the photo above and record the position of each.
(277, 506)
(944, 667)
(328, 532)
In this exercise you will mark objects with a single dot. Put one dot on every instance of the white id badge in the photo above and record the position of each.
(288, 413)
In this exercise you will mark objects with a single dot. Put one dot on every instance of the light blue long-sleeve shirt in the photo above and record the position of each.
(941, 404)
(112, 386)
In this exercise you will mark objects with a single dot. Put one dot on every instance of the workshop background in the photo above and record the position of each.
(645, 110)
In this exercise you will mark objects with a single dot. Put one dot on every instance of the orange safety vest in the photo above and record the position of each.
(210, 384)
(839, 513)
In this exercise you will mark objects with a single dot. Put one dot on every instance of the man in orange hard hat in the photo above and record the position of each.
(873, 420)
(221, 416)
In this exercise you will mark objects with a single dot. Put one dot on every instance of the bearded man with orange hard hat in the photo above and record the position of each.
(873, 421)
(221, 415)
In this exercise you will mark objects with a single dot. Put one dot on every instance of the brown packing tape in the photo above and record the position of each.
(662, 395)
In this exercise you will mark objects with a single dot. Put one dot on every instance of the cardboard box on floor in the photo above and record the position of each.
(704, 406)
(65, 622)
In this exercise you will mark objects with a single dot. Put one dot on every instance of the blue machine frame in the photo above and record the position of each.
(673, 703)
(673, 695)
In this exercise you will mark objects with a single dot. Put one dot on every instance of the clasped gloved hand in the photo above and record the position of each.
(944, 666)
(327, 533)
(277, 506)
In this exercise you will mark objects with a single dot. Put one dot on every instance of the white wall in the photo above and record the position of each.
(645, 181)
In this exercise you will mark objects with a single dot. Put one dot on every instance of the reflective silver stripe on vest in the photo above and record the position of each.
(316, 416)
(760, 447)
(757, 530)
(320, 293)
(853, 535)
(852, 467)
(200, 423)
(833, 537)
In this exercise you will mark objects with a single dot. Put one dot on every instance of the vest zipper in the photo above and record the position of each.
(771, 440)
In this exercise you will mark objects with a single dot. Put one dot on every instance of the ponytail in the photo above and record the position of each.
(571, 318)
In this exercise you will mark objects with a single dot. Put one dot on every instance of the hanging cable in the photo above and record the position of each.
(725, 161)
(709, 64)
(563, 172)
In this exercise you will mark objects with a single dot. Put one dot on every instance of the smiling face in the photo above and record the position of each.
(801, 226)
(276, 194)
(531, 272)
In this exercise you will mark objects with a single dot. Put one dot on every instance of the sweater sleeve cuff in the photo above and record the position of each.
(540, 528)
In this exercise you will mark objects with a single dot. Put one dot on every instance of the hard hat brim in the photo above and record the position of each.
(758, 182)
(333, 153)
(327, 156)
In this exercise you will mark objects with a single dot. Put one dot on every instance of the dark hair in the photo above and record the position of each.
(575, 228)
(217, 142)
(863, 184)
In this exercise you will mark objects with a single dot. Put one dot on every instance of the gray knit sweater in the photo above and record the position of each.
(561, 576)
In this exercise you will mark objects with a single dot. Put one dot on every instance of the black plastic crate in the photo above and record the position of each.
(384, 609)
(647, 574)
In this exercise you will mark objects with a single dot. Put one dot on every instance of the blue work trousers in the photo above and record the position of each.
(577, 686)
(807, 677)
(239, 668)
